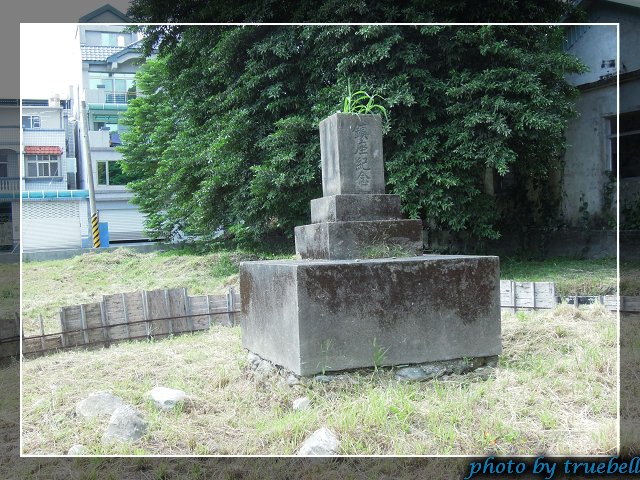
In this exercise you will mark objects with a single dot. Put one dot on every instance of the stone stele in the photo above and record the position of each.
(336, 308)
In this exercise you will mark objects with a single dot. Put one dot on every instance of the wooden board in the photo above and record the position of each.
(136, 315)
(527, 295)
(116, 318)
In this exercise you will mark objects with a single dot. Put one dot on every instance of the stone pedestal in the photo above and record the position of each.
(336, 308)
(345, 208)
(315, 316)
(356, 240)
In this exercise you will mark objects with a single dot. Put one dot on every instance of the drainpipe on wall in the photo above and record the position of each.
(95, 231)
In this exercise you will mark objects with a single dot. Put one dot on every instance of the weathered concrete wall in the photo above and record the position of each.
(588, 158)
(312, 316)
(629, 102)
(596, 44)
(589, 154)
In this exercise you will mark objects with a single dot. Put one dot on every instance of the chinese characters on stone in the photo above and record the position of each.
(361, 159)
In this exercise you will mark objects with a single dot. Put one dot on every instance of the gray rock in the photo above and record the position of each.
(125, 425)
(491, 361)
(166, 398)
(302, 403)
(415, 374)
(321, 442)
(421, 373)
(334, 378)
(482, 373)
(77, 450)
(292, 380)
(459, 366)
(99, 403)
(434, 370)
(265, 368)
(253, 359)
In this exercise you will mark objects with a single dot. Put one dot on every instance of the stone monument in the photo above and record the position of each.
(336, 307)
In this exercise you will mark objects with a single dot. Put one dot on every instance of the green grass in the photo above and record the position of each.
(630, 278)
(552, 393)
(572, 276)
(49, 285)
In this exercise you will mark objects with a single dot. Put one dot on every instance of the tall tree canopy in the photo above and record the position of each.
(226, 134)
(357, 11)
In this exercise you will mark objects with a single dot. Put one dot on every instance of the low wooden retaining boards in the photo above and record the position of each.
(542, 295)
(160, 313)
(135, 315)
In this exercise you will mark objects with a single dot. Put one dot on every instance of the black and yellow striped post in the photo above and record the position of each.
(95, 230)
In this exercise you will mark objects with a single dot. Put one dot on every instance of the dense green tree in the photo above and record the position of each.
(227, 131)
(323, 11)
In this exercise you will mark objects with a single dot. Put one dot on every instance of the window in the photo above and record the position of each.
(4, 165)
(30, 121)
(119, 88)
(110, 173)
(5, 212)
(112, 40)
(105, 122)
(43, 165)
(628, 160)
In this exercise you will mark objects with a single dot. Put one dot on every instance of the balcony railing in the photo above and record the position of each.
(119, 97)
(9, 184)
(100, 95)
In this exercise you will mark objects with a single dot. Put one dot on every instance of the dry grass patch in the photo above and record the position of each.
(47, 286)
(553, 392)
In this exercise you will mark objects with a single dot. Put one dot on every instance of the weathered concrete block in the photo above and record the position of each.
(351, 240)
(344, 208)
(315, 316)
(351, 154)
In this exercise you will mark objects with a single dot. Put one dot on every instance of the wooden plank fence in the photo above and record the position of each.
(516, 296)
(135, 315)
(159, 313)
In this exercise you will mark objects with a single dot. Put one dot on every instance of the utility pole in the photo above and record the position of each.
(95, 231)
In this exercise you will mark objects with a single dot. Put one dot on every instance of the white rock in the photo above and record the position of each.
(321, 442)
(166, 398)
(77, 450)
(301, 403)
(125, 425)
(99, 403)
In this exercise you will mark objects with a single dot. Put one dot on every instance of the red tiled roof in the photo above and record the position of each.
(43, 150)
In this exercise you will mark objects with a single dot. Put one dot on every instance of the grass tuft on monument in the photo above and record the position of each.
(336, 308)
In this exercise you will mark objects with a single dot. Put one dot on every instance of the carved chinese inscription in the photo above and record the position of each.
(361, 159)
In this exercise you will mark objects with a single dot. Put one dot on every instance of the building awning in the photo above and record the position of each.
(43, 150)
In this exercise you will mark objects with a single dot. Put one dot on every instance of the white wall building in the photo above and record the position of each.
(110, 58)
(54, 212)
(592, 160)
(9, 174)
